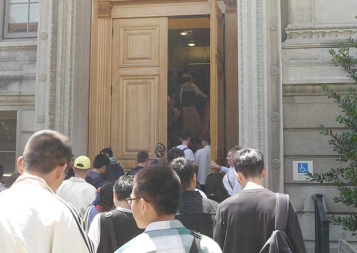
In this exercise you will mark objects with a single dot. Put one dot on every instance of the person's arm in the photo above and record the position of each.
(199, 92)
(190, 155)
(94, 232)
(221, 169)
(219, 228)
(293, 231)
(197, 159)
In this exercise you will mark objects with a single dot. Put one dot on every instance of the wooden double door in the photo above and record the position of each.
(138, 92)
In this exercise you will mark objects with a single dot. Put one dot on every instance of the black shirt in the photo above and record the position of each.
(245, 221)
(197, 213)
(133, 172)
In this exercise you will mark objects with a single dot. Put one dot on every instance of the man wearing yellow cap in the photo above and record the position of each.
(76, 190)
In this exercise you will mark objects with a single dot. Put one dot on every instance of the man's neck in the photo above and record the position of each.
(83, 176)
(142, 165)
(121, 204)
(254, 183)
(185, 143)
(97, 171)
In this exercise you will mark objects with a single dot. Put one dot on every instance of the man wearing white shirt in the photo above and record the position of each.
(35, 218)
(76, 190)
(202, 161)
(230, 180)
(185, 139)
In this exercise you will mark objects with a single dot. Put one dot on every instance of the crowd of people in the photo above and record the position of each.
(165, 205)
(187, 97)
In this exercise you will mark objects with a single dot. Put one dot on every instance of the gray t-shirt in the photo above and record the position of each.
(245, 221)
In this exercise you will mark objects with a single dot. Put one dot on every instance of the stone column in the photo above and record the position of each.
(259, 81)
(63, 61)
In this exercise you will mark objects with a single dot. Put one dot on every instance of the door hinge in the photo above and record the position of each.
(112, 31)
(111, 90)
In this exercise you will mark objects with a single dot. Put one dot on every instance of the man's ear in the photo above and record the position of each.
(264, 173)
(61, 171)
(194, 179)
(144, 205)
(20, 164)
(240, 177)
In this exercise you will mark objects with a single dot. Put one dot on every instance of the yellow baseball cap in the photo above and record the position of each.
(82, 163)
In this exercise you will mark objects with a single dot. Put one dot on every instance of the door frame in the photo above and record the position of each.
(103, 13)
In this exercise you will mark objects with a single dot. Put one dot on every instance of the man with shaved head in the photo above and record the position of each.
(34, 218)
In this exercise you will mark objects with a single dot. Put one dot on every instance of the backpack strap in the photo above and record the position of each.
(195, 247)
(109, 221)
(281, 211)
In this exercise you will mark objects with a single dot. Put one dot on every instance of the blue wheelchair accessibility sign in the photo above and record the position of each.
(303, 168)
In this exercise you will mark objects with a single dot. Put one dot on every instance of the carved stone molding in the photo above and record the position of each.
(17, 48)
(312, 89)
(104, 9)
(320, 32)
(60, 61)
(260, 95)
(251, 75)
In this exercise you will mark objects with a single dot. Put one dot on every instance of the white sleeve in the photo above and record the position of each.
(197, 158)
(94, 232)
(189, 155)
(224, 170)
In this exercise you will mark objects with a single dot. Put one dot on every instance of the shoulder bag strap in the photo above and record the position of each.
(195, 247)
(113, 238)
(229, 181)
(281, 211)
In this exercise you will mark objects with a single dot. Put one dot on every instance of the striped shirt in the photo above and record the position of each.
(35, 219)
(167, 236)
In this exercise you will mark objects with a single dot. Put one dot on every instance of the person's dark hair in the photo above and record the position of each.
(160, 186)
(100, 161)
(187, 79)
(123, 187)
(174, 153)
(205, 137)
(249, 162)
(106, 197)
(11, 180)
(185, 135)
(185, 170)
(1, 170)
(142, 156)
(107, 151)
(45, 150)
(160, 150)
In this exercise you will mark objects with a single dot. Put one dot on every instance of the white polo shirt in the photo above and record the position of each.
(203, 161)
(77, 192)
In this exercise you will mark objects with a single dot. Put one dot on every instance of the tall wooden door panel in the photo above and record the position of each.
(217, 130)
(139, 88)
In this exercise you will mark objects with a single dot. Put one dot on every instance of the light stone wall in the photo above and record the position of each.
(17, 86)
(315, 26)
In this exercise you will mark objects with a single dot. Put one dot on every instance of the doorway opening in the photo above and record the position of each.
(188, 79)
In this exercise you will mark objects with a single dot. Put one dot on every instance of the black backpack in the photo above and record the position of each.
(214, 187)
(113, 172)
(279, 241)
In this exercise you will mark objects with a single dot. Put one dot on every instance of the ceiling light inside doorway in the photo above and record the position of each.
(184, 33)
(191, 44)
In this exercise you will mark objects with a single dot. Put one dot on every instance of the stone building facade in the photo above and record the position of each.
(282, 61)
